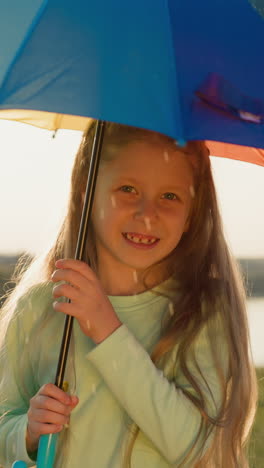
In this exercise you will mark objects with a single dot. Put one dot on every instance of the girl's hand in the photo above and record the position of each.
(89, 303)
(49, 411)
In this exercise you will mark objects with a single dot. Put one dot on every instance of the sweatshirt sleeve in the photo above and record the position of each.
(17, 386)
(154, 402)
(13, 407)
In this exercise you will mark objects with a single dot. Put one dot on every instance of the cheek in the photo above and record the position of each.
(178, 218)
(112, 207)
(104, 217)
(100, 205)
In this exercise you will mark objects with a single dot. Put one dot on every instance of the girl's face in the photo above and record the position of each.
(141, 208)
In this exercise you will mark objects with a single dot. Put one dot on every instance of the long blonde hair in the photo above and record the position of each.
(207, 274)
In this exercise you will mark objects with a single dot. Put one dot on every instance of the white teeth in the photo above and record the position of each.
(140, 240)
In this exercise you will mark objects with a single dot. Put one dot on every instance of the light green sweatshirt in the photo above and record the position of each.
(116, 383)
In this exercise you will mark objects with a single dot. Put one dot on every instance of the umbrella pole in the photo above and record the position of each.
(82, 236)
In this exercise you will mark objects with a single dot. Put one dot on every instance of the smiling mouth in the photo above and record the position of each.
(140, 238)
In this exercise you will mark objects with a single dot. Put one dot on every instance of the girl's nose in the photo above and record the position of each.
(146, 209)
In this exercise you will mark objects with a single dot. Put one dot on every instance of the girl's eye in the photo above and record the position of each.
(170, 196)
(127, 188)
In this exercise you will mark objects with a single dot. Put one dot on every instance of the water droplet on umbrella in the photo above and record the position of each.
(102, 213)
(26, 339)
(171, 309)
(166, 156)
(135, 276)
(114, 364)
(147, 223)
(93, 388)
(113, 201)
(88, 324)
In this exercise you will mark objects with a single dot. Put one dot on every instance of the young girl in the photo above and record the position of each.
(160, 370)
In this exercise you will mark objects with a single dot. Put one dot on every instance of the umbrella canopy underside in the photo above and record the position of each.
(54, 122)
(191, 70)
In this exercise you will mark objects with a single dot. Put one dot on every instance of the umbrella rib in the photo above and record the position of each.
(181, 141)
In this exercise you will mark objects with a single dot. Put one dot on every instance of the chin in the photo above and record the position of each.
(142, 266)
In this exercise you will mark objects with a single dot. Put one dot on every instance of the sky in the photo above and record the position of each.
(34, 184)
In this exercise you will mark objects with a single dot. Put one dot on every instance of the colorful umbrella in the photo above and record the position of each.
(191, 70)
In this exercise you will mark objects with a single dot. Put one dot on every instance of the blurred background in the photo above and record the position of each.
(34, 185)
